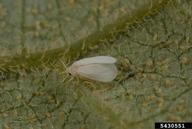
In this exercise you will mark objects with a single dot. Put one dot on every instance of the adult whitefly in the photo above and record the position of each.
(99, 68)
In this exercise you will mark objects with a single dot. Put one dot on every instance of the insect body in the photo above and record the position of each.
(99, 68)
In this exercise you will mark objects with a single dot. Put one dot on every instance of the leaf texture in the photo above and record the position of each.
(153, 58)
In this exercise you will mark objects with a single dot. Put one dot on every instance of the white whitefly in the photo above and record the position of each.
(99, 68)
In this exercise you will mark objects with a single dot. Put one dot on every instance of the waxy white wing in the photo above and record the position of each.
(96, 60)
(98, 72)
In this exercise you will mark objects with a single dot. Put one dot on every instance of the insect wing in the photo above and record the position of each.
(98, 72)
(96, 60)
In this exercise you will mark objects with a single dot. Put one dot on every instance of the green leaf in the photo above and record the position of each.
(150, 39)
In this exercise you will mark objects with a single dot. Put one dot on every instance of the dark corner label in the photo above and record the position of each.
(173, 125)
